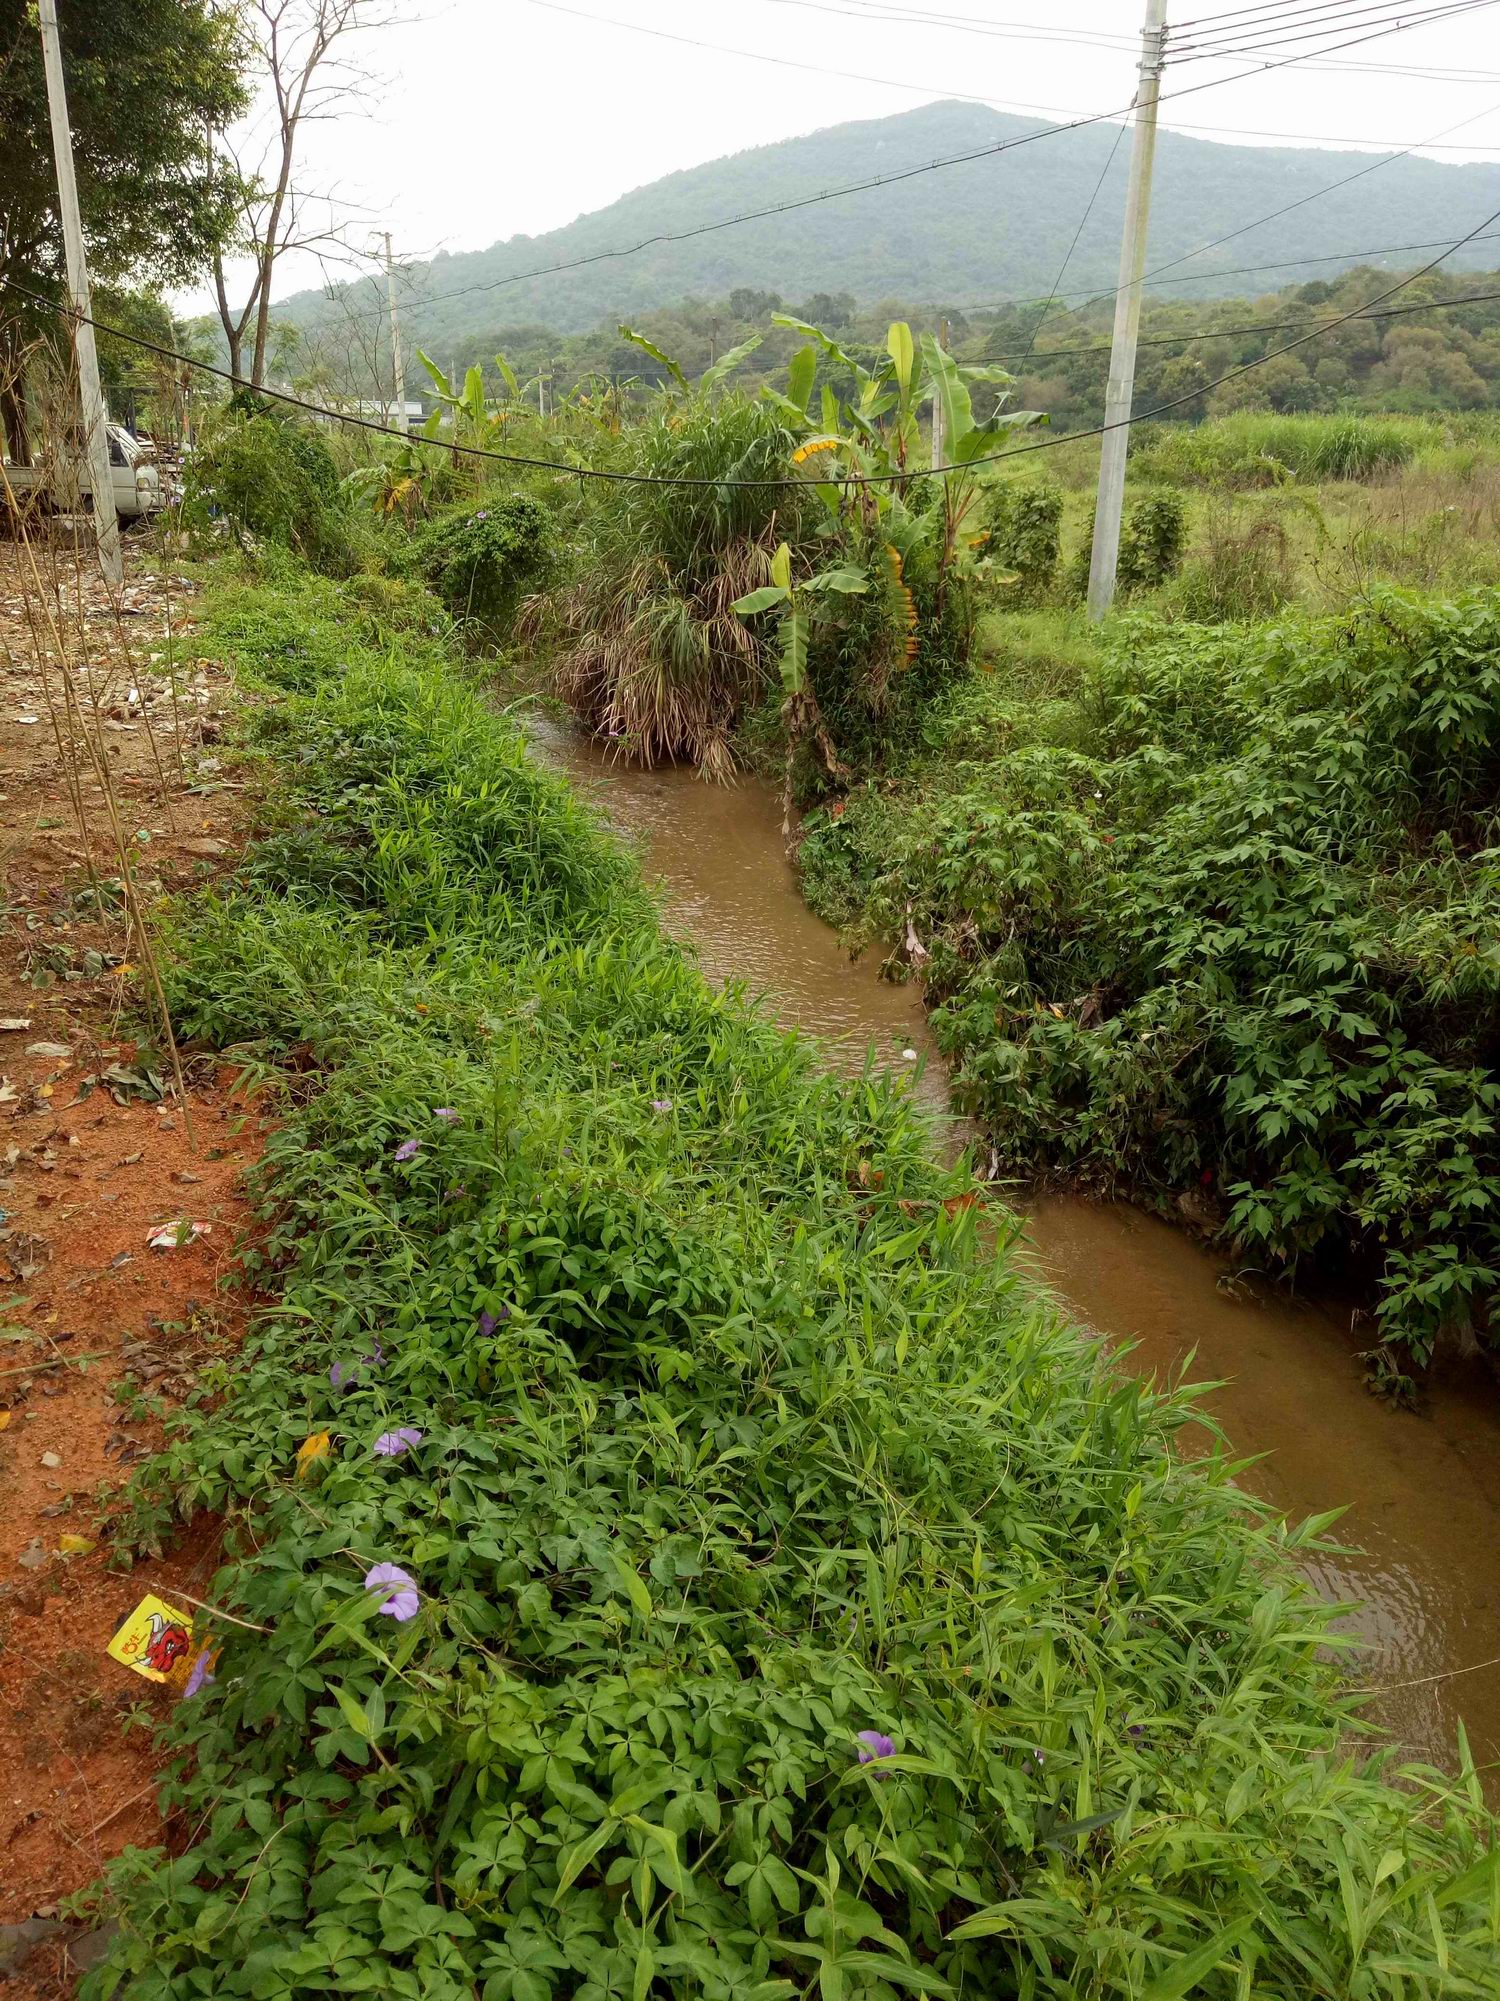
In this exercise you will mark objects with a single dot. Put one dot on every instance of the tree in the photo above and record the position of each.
(301, 50)
(144, 79)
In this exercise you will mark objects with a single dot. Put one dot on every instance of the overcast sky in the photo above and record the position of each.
(492, 118)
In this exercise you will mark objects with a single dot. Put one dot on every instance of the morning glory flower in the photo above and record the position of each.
(202, 1671)
(447, 1112)
(344, 1375)
(408, 1149)
(488, 1321)
(661, 1104)
(391, 1444)
(874, 1744)
(401, 1598)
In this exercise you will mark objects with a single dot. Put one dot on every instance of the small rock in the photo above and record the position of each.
(33, 1556)
(51, 1461)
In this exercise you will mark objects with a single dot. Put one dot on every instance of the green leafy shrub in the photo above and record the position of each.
(1151, 541)
(273, 481)
(482, 560)
(1025, 526)
(878, 661)
(1231, 928)
(790, 1600)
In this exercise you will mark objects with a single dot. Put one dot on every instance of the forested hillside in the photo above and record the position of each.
(992, 229)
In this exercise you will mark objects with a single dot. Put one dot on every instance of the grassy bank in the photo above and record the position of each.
(789, 1606)
(1214, 909)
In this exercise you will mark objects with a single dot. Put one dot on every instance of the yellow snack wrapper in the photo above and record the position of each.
(155, 1640)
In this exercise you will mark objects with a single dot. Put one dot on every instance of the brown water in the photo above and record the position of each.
(1422, 1492)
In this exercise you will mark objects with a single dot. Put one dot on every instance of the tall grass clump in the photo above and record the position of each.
(669, 1556)
(1254, 449)
(648, 650)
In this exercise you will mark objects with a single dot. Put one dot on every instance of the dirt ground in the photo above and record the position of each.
(97, 1150)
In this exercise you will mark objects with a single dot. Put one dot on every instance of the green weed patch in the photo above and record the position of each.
(677, 1560)
(1223, 915)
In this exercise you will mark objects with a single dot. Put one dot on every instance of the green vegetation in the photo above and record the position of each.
(1251, 451)
(272, 480)
(1216, 909)
(481, 559)
(782, 1603)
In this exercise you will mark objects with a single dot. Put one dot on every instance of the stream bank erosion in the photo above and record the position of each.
(708, 1563)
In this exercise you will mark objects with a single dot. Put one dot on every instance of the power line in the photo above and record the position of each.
(1204, 277)
(786, 480)
(1324, 17)
(1268, 9)
(863, 187)
(1244, 229)
(1226, 333)
(1062, 269)
(968, 24)
(971, 24)
(1389, 22)
(792, 62)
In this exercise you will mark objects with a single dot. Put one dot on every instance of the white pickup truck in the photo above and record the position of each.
(62, 485)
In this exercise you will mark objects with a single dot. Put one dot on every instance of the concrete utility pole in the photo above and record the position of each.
(399, 371)
(106, 521)
(1121, 391)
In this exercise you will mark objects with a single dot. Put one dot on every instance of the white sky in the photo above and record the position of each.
(492, 118)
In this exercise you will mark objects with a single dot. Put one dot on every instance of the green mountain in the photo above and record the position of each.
(988, 230)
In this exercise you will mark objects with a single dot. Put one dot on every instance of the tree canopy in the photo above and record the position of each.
(146, 79)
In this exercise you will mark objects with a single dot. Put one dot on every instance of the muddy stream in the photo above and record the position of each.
(1422, 1491)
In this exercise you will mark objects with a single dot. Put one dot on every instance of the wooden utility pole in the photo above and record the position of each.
(96, 437)
(399, 371)
(1121, 391)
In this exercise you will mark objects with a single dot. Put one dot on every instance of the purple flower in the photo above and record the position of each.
(661, 1104)
(874, 1744)
(402, 1597)
(482, 515)
(344, 1375)
(391, 1444)
(488, 1321)
(202, 1671)
(447, 1112)
(408, 1149)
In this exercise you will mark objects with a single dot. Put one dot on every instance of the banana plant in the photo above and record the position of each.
(466, 408)
(799, 711)
(966, 444)
(712, 377)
